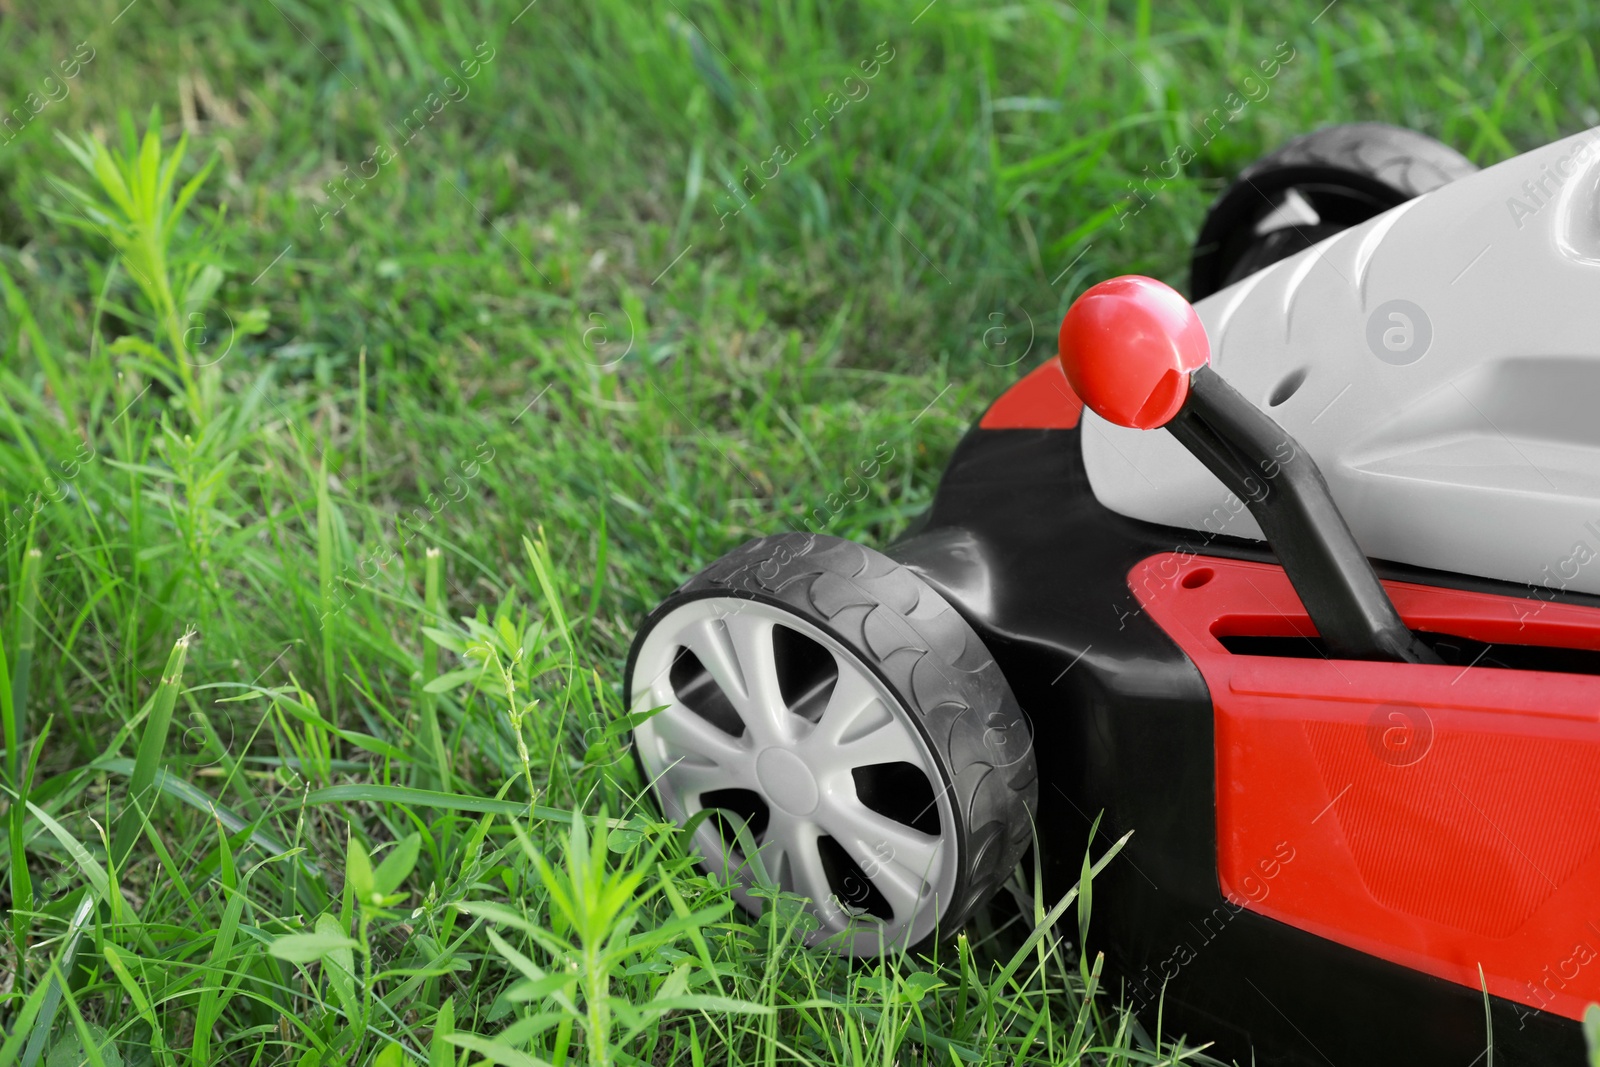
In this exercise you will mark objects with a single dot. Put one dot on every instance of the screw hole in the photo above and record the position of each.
(1196, 578)
(1288, 387)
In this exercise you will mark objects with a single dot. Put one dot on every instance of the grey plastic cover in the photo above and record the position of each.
(1441, 362)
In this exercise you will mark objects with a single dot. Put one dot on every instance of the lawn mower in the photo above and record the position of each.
(1299, 583)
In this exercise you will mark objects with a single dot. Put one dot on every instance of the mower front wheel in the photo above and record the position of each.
(856, 726)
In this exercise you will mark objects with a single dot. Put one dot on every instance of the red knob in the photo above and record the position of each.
(1128, 345)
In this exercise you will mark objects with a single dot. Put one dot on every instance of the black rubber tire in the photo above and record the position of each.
(1357, 171)
(930, 658)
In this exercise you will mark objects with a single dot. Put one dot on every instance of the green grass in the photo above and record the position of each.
(342, 446)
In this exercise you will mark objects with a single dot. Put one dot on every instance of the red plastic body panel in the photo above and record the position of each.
(1040, 401)
(1437, 817)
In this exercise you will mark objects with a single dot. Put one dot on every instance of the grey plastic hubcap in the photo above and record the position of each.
(803, 771)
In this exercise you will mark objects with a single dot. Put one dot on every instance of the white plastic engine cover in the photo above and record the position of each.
(1450, 350)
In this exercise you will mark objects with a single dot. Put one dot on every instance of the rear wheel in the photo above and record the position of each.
(853, 723)
(1312, 188)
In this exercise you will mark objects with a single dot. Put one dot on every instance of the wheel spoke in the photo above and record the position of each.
(896, 858)
(902, 889)
(761, 706)
(890, 742)
(795, 839)
(693, 779)
(858, 729)
(712, 646)
(854, 708)
(683, 732)
(884, 839)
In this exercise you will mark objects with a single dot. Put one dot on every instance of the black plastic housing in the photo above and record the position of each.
(1124, 726)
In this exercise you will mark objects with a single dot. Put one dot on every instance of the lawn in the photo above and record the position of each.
(370, 369)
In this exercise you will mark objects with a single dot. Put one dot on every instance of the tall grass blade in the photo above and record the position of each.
(427, 702)
(55, 987)
(135, 988)
(326, 557)
(152, 750)
(25, 629)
